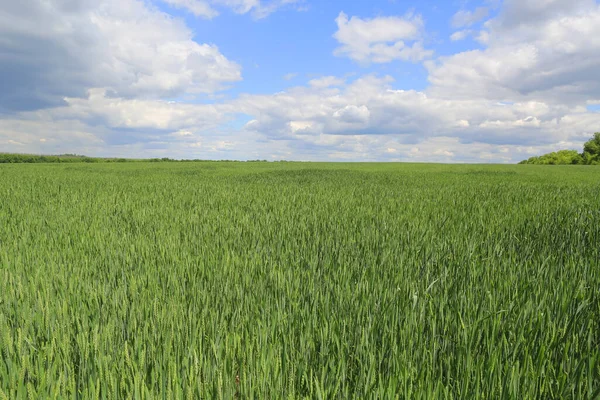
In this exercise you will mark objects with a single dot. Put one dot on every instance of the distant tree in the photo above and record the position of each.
(561, 157)
(592, 147)
(590, 155)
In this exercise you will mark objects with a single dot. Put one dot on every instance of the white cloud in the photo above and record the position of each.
(264, 8)
(206, 8)
(530, 13)
(380, 40)
(125, 46)
(241, 6)
(197, 7)
(29, 130)
(142, 114)
(182, 133)
(467, 18)
(326, 81)
(352, 114)
(460, 35)
(369, 106)
(483, 37)
(152, 54)
(554, 56)
(361, 120)
(301, 126)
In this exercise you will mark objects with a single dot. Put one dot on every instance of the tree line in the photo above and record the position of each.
(589, 156)
(14, 158)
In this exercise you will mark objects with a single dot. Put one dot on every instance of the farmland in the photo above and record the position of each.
(299, 280)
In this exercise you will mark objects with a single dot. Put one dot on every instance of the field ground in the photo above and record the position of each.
(293, 280)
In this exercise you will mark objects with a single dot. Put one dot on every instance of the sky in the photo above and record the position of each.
(456, 81)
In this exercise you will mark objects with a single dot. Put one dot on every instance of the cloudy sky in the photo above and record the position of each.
(378, 80)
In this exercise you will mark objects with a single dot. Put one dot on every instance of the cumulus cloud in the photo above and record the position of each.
(517, 13)
(38, 134)
(370, 106)
(142, 114)
(554, 56)
(353, 114)
(360, 120)
(60, 49)
(380, 40)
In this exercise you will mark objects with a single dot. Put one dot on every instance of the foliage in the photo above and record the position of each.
(592, 147)
(590, 155)
(562, 157)
(299, 280)
(13, 158)
(10, 158)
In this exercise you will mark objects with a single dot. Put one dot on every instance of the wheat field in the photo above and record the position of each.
(299, 280)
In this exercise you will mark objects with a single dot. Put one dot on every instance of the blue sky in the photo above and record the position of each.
(385, 80)
(294, 44)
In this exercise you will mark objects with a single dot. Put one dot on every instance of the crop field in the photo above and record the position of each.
(299, 280)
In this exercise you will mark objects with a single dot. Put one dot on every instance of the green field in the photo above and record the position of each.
(293, 280)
